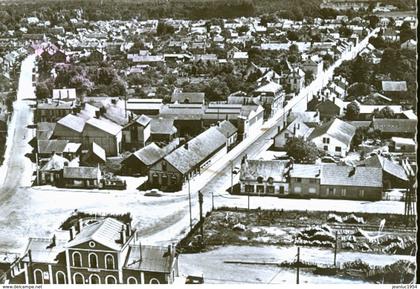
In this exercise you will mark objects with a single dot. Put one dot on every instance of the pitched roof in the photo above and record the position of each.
(199, 148)
(42, 252)
(149, 258)
(395, 125)
(162, 126)
(143, 120)
(104, 125)
(86, 173)
(227, 128)
(387, 165)
(394, 86)
(50, 146)
(252, 169)
(105, 232)
(338, 175)
(337, 129)
(306, 171)
(149, 155)
(55, 163)
(73, 122)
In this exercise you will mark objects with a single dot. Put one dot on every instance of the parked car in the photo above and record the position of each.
(236, 170)
(152, 193)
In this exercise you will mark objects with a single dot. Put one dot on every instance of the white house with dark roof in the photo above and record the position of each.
(333, 137)
(136, 133)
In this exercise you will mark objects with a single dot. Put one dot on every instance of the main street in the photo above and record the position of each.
(26, 211)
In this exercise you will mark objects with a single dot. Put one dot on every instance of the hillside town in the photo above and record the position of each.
(140, 151)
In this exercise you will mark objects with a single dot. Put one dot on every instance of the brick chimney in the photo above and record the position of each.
(123, 236)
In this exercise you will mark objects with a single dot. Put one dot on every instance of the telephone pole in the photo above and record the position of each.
(212, 201)
(189, 201)
(297, 265)
(335, 248)
(200, 202)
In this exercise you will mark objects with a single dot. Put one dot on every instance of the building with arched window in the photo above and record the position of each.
(98, 251)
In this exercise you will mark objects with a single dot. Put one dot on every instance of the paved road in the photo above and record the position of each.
(17, 169)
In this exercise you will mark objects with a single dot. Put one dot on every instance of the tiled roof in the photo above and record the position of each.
(162, 126)
(72, 122)
(85, 173)
(39, 251)
(149, 259)
(337, 129)
(227, 128)
(387, 165)
(395, 125)
(306, 171)
(105, 232)
(104, 125)
(252, 169)
(199, 148)
(338, 175)
(149, 155)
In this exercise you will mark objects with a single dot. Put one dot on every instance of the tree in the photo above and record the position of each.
(292, 35)
(352, 111)
(302, 151)
(118, 87)
(345, 31)
(359, 136)
(42, 91)
(358, 89)
(373, 21)
(406, 32)
(309, 77)
(385, 112)
(359, 70)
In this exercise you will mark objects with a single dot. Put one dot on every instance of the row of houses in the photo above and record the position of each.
(366, 181)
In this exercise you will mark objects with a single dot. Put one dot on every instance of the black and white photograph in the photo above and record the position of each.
(213, 142)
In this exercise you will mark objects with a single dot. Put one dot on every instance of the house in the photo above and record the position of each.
(230, 131)
(136, 133)
(409, 44)
(394, 89)
(401, 144)
(95, 155)
(305, 180)
(105, 133)
(355, 183)
(263, 177)
(296, 80)
(297, 128)
(162, 130)
(52, 171)
(100, 250)
(64, 148)
(188, 97)
(328, 108)
(70, 128)
(188, 160)
(314, 65)
(147, 107)
(395, 127)
(271, 96)
(394, 175)
(333, 137)
(53, 111)
(81, 177)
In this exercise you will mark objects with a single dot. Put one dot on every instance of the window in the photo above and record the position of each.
(312, 181)
(338, 149)
(164, 180)
(164, 166)
(131, 280)
(326, 140)
(270, 189)
(38, 277)
(260, 189)
(286, 135)
(109, 261)
(312, 190)
(343, 192)
(270, 180)
(93, 260)
(60, 277)
(260, 179)
(154, 281)
(298, 189)
(110, 280)
(325, 148)
(362, 193)
(173, 180)
(298, 180)
(249, 188)
(77, 259)
(330, 191)
(78, 278)
(94, 279)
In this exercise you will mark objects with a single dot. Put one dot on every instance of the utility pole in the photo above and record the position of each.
(335, 248)
(189, 201)
(231, 176)
(297, 265)
(200, 202)
(212, 201)
(37, 168)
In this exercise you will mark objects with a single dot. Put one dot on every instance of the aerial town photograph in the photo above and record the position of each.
(208, 142)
